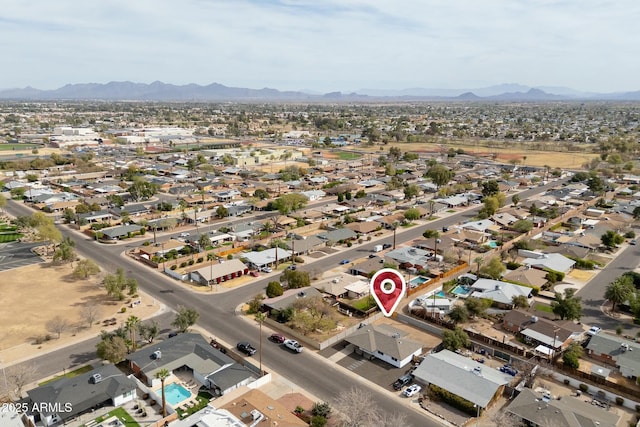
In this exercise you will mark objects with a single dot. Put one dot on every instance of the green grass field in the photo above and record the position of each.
(18, 147)
(9, 237)
(344, 155)
(122, 416)
(74, 373)
(543, 307)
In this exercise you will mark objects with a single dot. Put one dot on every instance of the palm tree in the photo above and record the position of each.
(162, 375)
(210, 257)
(619, 291)
(132, 324)
(479, 260)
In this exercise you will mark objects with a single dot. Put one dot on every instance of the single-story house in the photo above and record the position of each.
(462, 376)
(482, 225)
(386, 343)
(543, 410)
(267, 257)
(67, 398)
(341, 234)
(210, 367)
(216, 273)
(289, 296)
(617, 351)
(501, 293)
(546, 261)
(120, 231)
(527, 276)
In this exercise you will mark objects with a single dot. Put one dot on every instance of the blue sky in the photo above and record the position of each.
(323, 45)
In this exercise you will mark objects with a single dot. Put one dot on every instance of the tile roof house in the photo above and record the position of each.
(211, 368)
(386, 343)
(539, 409)
(67, 398)
(462, 376)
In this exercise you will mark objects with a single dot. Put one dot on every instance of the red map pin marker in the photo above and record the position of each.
(387, 287)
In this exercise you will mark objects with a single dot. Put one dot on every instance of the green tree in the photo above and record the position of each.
(85, 268)
(222, 212)
(520, 301)
(611, 239)
(411, 191)
(296, 279)
(112, 348)
(619, 291)
(456, 339)
(261, 194)
(149, 331)
(289, 203)
(515, 199)
(131, 325)
(117, 283)
(522, 226)
(204, 241)
(162, 375)
(274, 289)
(430, 234)
(636, 212)
(596, 184)
(494, 268)
(490, 188)
(459, 314)
(571, 356)
(141, 189)
(412, 214)
(440, 175)
(491, 206)
(185, 318)
(477, 307)
(65, 252)
(567, 306)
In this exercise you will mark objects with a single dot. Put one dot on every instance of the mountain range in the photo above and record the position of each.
(159, 91)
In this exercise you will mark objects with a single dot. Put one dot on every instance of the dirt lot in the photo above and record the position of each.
(33, 295)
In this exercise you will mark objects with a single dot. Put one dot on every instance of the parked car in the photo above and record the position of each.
(412, 390)
(278, 338)
(403, 381)
(292, 267)
(254, 273)
(344, 261)
(246, 348)
(266, 269)
(508, 369)
(173, 334)
(293, 345)
(633, 242)
(184, 234)
(386, 246)
(593, 330)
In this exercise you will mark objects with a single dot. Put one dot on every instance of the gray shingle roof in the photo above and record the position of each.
(373, 339)
(461, 376)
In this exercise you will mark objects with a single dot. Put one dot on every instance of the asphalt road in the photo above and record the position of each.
(218, 314)
(593, 292)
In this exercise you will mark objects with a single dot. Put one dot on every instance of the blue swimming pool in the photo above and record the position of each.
(441, 294)
(417, 281)
(461, 290)
(492, 244)
(175, 393)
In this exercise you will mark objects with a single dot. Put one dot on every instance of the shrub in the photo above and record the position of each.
(583, 387)
(123, 309)
(349, 244)
(318, 421)
(630, 234)
(229, 257)
(299, 260)
(173, 267)
(322, 409)
(512, 265)
(637, 408)
(183, 264)
(619, 401)
(566, 381)
(190, 262)
(274, 289)
(199, 260)
(452, 399)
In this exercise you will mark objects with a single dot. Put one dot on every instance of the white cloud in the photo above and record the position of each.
(327, 45)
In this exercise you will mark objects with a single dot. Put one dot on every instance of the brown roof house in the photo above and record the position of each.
(386, 343)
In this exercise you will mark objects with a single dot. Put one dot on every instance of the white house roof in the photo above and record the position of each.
(481, 225)
(556, 262)
(501, 292)
(267, 256)
(461, 376)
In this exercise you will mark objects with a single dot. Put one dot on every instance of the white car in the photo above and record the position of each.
(412, 390)
(184, 234)
(293, 345)
(266, 269)
(594, 330)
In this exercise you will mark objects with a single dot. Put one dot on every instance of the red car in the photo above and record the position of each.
(278, 338)
(253, 273)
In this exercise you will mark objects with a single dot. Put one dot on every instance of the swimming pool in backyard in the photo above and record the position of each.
(175, 394)
(461, 290)
(417, 281)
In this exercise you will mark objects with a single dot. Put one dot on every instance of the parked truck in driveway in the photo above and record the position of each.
(377, 248)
